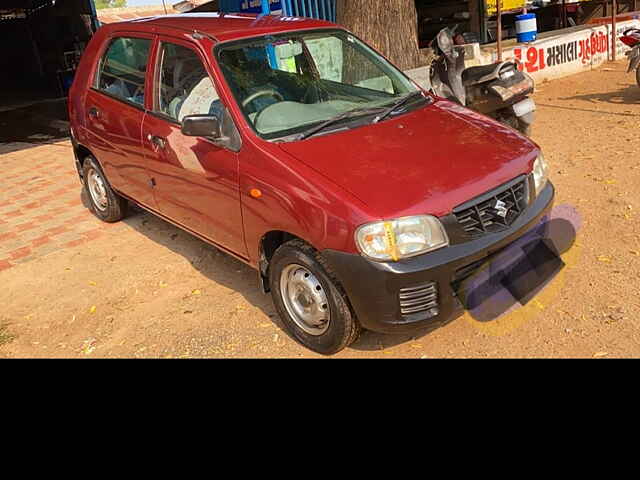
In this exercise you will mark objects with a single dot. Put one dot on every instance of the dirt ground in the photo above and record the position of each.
(147, 289)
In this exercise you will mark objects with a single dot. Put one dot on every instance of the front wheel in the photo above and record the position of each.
(638, 76)
(310, 300)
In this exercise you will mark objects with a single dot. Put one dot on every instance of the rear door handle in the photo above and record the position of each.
(157, 142)
(94, 112)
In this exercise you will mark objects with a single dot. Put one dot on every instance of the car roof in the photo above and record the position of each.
(228, 26)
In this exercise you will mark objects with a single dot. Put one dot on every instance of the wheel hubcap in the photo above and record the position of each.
(305, 299)
(97, 190)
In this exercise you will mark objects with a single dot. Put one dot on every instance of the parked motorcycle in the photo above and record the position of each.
(631, 38)
(499, 91)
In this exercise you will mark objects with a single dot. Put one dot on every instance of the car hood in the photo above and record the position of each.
(429, 160)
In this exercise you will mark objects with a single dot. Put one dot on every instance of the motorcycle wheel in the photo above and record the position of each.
(517, 124)
(638, 76)
(524, 128)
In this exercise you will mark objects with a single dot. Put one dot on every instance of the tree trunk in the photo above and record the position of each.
(390, 26)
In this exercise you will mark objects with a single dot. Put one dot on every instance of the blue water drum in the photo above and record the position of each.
(526, 27)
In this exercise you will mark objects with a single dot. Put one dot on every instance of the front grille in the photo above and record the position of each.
(495, 210)
(419, 298)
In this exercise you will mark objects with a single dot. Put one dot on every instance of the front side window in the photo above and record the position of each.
(287, 83)
(123, 68)
(184, 86)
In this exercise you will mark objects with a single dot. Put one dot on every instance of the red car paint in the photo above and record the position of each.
(320, 190)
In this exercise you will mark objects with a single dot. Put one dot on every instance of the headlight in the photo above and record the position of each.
(401, 238)
(540, 173)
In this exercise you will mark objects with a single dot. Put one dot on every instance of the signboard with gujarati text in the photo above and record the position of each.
(570, 53)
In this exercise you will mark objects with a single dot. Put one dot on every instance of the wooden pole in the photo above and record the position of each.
(499, 13)
(614, 35)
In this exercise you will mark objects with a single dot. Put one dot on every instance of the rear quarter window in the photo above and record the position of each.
(123, 67)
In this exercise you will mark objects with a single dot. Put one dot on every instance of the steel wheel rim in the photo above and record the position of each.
(305, 299)
(97, 190)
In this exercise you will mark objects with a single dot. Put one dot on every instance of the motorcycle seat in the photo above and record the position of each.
(473, 75)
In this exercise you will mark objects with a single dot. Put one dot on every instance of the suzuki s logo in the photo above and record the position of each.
(501, 208)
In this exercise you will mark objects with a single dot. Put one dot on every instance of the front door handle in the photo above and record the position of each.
(157, 142)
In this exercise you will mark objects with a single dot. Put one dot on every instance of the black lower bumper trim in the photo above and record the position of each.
(373, 287)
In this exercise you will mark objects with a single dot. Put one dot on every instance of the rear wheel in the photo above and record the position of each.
(638, 76)
(106, 204)
(310, 300)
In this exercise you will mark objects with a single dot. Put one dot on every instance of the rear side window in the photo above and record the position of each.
(185, 88)
(122, 69)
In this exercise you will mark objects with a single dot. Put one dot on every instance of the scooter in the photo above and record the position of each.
(499, 91)
(631, 38)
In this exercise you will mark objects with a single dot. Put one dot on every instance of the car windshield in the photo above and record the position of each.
(290, 83)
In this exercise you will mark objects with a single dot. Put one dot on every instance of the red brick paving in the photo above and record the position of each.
(44, 218)
(25, 226)
(41, 211)
(56, 230)
(75, 243)
(7, 236)
(40, 241)
(20, 253)
(93, 234)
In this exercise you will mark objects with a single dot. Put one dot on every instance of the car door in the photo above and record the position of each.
(195, 180)
(115, 111)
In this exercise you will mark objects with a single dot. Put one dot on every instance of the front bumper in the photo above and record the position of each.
(374, 287)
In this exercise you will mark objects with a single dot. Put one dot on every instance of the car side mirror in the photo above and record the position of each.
(208, 126)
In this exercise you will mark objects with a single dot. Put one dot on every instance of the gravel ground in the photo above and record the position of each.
(150, 290)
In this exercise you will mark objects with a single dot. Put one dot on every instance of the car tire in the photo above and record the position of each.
(106, 204)
(310, 300)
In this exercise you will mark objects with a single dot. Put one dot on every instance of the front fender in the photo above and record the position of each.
(280, 193)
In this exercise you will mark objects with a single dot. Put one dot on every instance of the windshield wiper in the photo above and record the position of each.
(337, 118)
(399, 103)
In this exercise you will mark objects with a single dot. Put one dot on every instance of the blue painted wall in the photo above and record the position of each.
(248, 6)
(322, 9)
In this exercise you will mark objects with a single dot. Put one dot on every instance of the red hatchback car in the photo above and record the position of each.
(292, 145)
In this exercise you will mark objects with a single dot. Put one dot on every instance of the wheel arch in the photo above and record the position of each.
(269, 243)
(81, 153)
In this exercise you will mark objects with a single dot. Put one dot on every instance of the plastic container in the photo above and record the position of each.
(526, 27)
